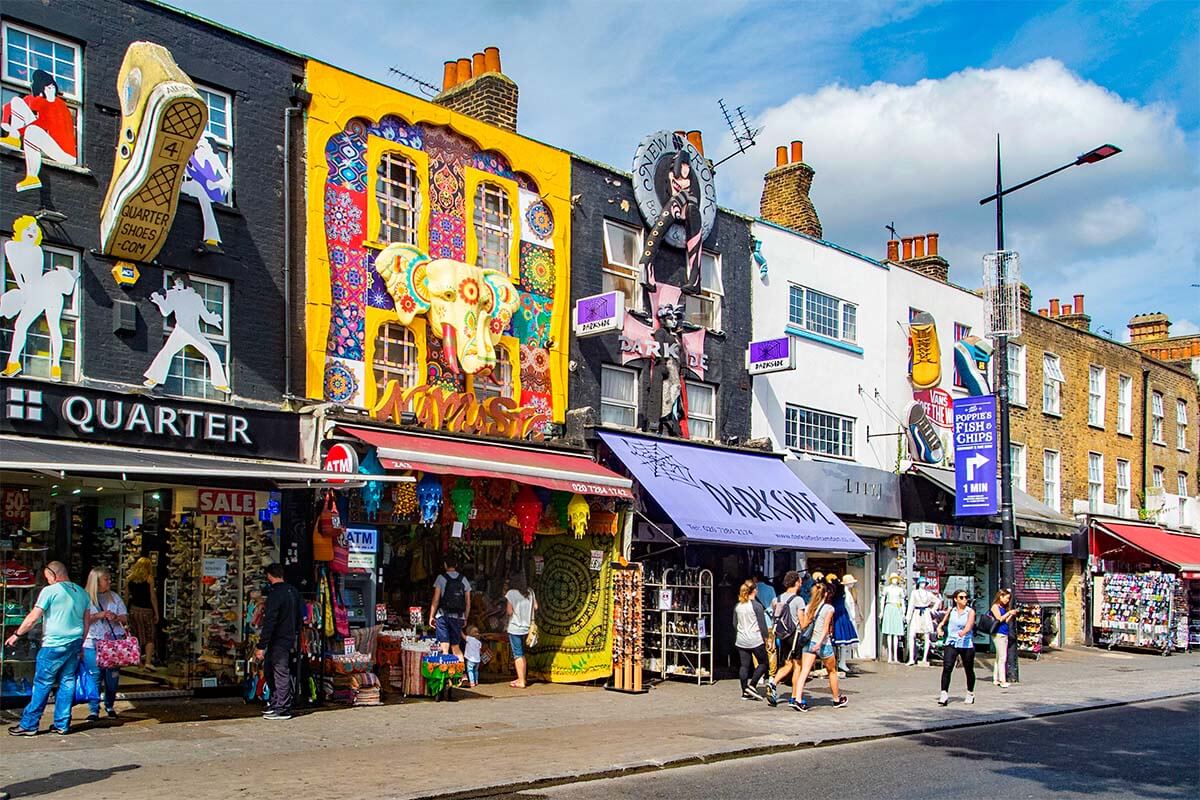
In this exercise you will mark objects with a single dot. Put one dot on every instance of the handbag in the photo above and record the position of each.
(123, 651)
(988, 624)
(328, 523)
(340, 563)
(531, 638)
(86, 689)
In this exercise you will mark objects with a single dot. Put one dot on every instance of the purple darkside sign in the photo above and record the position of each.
(770, 355)
(732, 498)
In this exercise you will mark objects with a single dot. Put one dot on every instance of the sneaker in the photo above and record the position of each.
(278, 715)
(29, 183)
(943, 698)
(923, 441)
(970, 698)
(924, 355)
(17, 730)
(971, 358)
(93, 717)
(842, 702)
(751, 693)
(111, 712)
(772, 694)
(162, 119)
(801, 706)
(1003, 684)
(59, 731)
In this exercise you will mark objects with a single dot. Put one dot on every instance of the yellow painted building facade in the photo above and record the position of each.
(437, 262)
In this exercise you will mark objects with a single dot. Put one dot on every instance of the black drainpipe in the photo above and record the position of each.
(1145, 436)
(302, 98)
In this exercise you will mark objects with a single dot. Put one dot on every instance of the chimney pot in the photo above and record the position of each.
(477, 67)
(1054, 306)
(932, 238)
(908, 247)
(781, 156)
(697, 140)
(797, 151)
(1066, 311)
(1043, 312)
(449, 75)
(464, 70)
(491, 59)
(1078, 304)
(893, 250)
(918, 247)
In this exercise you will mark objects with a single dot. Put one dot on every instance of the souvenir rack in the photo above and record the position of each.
(681, 605)
(628, 588)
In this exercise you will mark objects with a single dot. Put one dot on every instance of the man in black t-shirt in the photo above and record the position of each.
(279, 639)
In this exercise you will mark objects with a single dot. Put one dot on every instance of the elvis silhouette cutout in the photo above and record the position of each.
(188, 307)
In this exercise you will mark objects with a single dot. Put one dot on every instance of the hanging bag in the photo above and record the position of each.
(531, 638)
(325, 530)
(340, 563)
(986, 623)
(117, 651)
(86, 689)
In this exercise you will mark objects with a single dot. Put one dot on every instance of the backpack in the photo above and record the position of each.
(454, 596)
(785, 626)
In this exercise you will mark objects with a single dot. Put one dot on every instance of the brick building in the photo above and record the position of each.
(1151, 333)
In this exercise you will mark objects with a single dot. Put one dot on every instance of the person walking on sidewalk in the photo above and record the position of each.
(522, 611)
(786, 616)
(960, 643)
(448, 610)
(751, 626)
(106, 618)
(280, 631)
(1003, 611)
(819, 615)
(60, 607)
(765, 594)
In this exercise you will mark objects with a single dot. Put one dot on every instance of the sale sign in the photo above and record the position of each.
(226, 502)
(14, 506)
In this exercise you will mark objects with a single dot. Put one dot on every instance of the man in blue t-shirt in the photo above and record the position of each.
(60, 607)
(765, 593)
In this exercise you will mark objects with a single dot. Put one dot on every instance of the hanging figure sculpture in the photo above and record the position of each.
(673, 419)
(189, 309)
(682, 206)
(38, 292)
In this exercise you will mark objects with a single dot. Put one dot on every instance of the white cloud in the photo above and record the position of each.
(1124, 231)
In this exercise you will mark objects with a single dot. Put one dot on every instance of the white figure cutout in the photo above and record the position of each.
(37, 293)
(207, 180)
(188, 307)
(39, 124)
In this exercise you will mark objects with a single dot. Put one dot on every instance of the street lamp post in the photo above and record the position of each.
(1007, 522)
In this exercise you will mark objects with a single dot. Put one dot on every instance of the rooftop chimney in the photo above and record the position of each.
(1026, 300)
(697, 141)
(785, 200)
(926, 262)
(1073, 315)
(1054, 307)
(893, 250)
(1149, 328)
(477, 87)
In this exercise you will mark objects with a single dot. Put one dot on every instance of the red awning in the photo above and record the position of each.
(444, 456)
(1180, 549)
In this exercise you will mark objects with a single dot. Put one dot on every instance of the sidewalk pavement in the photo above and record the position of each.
(497, 738)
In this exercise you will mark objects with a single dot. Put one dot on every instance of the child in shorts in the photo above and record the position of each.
(473, 653)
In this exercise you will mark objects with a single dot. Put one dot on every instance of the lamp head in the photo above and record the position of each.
(1099, 154)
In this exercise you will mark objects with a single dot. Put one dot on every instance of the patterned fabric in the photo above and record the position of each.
(537, 223)
(494, 163)
(535, 368)
(340, 383)
(124, 652)
(447, 236)
(345, 157)
(537, 269)
(574, 615)
(531, 323)
(394, 129)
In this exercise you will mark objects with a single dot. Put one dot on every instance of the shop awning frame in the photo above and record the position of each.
(1180, 549)
(1032, 516)
(63, 458)
(550, 469)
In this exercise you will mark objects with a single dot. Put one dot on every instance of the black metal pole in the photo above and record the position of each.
(1008, 529)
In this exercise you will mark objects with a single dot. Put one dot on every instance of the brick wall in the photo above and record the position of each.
(491, 97)
(785, 199)
(1074, 610)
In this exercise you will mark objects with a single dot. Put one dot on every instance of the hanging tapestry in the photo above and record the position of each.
(574, 615)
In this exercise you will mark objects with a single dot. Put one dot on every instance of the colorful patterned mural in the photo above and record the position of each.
(392, 169)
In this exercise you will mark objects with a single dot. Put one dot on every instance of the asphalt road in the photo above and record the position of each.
(1148, 750)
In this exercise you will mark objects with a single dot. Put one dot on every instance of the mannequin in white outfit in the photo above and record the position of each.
(922, 604)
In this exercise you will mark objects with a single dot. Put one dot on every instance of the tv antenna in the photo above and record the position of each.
(426, 87)
(743, 134)
(891, 228)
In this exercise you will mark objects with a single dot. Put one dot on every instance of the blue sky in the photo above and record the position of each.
(898, 104)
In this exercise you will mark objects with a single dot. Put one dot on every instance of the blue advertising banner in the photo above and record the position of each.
(976, 449)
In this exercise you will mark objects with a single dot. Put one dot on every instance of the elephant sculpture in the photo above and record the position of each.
(469, 307)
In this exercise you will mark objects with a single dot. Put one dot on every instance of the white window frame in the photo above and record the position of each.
(23, 86)
(1157, 476)
(616, 271)
(222, 145)
(485, 230)
(840, 427)
(1052, 383)
(499, 382)
(1181, 485)
(1052, 479)
(1125, 405)
(387, 199)
(620, 403)
(707, 306)
(220, 339)
(694, 416)
(1097, 377)
(1181, 425)
(1095, 482)
(38, 366)
(1157, 418)
(803, 322)
(406, 372)
(1018, 458)
(1016, 374)
(1124, 505)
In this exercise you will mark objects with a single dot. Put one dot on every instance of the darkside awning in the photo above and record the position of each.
(727, 497)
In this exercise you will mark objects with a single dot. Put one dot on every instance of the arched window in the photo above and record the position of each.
(399, 197)
(499, 383)
(493, 227)
(395, 357)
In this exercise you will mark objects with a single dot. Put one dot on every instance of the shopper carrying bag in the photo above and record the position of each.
(522, 628)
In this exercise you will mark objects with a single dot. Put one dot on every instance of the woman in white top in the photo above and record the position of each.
(748, 618)
(522, 608)
(105, 618)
